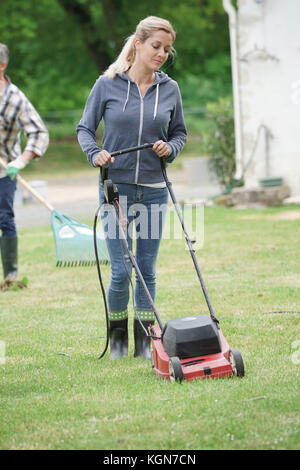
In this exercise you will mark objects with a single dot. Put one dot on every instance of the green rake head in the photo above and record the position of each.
(74, 242)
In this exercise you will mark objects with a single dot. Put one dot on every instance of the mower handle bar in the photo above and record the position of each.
(188, 240)
(116, 153)
(131, 149)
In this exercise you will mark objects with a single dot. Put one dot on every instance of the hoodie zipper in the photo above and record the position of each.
(139, 136)
(141, 127)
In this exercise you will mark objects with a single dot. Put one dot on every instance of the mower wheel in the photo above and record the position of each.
(175, 370)
(237, 363)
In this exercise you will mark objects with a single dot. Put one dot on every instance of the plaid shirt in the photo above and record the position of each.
(17, 114)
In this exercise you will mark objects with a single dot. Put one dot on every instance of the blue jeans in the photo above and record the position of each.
(144, 209)
(7, 216)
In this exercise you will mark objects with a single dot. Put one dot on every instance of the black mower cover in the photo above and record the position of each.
(191, 336)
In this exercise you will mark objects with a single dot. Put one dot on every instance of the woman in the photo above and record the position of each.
(139, 104)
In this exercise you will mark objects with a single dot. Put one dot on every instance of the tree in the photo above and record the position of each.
(48, 59)
(59, 47)
(104, 24)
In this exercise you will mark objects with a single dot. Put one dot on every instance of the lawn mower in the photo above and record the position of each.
(185, 348)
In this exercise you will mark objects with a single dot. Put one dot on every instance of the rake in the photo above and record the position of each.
(74, 241)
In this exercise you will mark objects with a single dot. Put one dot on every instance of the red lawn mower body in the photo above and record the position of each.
(217, 365)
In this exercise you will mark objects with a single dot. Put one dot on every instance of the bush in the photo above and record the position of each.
(219, 140)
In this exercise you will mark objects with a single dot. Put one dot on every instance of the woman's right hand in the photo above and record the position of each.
(103, 158)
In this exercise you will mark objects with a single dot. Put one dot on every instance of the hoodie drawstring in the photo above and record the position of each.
(127, 97)
(156, 99)
(156, 102)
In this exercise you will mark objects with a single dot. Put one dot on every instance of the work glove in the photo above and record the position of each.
(12, 172)
(16, 165)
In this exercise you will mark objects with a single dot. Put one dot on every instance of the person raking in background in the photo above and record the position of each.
(16, 114)
(138, 104)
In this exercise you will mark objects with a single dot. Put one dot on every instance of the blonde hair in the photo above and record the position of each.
(143, 31)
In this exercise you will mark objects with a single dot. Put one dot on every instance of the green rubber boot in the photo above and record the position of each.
(9, 255)
(141, 340)
(118, 337)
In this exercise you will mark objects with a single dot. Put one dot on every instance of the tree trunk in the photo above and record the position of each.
(90, 32)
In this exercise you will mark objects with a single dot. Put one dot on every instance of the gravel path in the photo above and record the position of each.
(78, 198)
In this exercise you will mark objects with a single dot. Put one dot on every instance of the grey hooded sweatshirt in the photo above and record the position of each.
(129, 121)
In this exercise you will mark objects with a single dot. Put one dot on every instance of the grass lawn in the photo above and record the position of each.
(56, 394)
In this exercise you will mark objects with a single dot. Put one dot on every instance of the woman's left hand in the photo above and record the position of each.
(160, 148)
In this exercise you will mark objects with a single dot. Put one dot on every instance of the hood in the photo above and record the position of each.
(161, 77)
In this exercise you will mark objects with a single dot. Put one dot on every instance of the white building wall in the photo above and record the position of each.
(269, 83)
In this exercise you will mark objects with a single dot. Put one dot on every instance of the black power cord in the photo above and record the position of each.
(100, 280)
